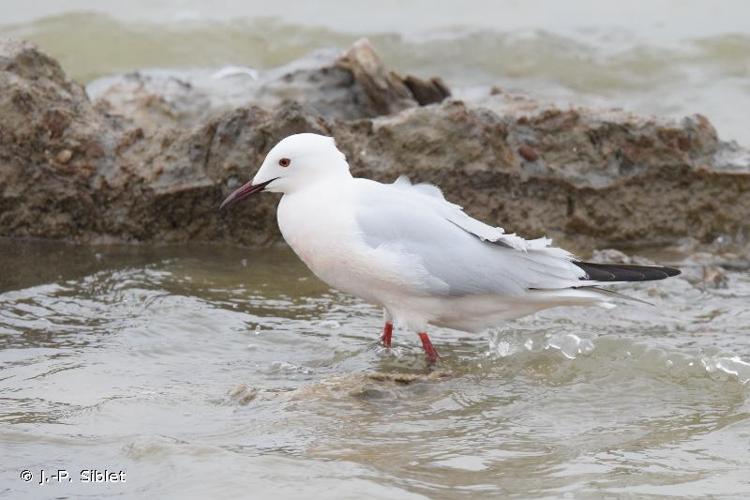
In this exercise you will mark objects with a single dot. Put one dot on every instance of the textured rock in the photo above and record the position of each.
(348, 86)
(146, 167)
(53, 144)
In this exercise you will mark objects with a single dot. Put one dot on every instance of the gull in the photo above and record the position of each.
(404, 247)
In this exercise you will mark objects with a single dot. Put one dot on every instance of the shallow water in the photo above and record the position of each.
(666, 57)
(214, 371)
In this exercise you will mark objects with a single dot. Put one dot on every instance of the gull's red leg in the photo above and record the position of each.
(387, 334)
(429, 349)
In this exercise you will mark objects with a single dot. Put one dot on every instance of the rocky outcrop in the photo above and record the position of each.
(150, 159)
(346, 86)
(54, 147)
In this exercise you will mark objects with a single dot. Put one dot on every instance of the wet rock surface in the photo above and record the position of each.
(153, 155)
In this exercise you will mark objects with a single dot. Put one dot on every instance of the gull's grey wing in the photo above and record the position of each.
(422, 229)
(455, 214)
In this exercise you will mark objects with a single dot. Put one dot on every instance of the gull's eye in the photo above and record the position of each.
(285, 162)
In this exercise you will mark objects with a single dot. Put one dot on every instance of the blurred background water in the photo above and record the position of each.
(208, 371)
(666, 57)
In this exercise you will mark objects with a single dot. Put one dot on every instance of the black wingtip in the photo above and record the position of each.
(671, 271)
(625, 272)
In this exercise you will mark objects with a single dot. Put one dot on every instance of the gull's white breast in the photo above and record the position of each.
(320, 227)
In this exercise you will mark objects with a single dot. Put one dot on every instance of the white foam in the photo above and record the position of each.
(734, 366)
(569, 344)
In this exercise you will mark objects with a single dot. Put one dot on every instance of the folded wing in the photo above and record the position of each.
(455, 214)
(456, 254)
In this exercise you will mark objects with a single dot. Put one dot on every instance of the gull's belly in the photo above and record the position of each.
(342, 266)
(327, 242)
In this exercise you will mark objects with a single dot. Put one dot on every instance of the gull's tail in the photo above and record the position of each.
(624, 272)
(590, 294)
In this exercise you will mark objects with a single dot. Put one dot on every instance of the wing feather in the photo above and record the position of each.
(455, 214)
(461, 254)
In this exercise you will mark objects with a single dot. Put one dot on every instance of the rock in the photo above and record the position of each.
(64, 156)
(383, 92)
(367, 386)
(243, 394)
(528, 153)
(349, 86)
(710, 269)
(613, 256)
(427, 92)
(715, 277)
(153, 158)
(52, 145)
(152, 100)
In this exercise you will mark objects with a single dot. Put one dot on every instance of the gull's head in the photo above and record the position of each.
(296, 162)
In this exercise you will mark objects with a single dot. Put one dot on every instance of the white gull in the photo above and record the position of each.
(404, 247)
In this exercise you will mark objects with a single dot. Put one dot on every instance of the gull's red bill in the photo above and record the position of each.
(243, 192)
